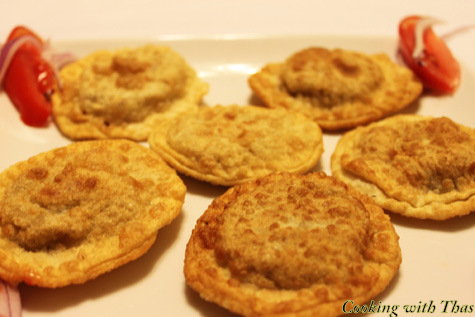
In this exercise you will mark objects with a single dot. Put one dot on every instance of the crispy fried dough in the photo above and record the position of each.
(291, 245)
(74, 213)
(124, 93)
(338, 89)
(417, 166)
(228, 145)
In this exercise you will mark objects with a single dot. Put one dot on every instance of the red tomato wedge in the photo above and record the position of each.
(29, 79)
(434, 64)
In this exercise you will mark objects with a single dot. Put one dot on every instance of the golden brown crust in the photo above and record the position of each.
(291, 245)
(418, 166)
(228, 145)
(124, 93)
(73, 213)
(338, 89)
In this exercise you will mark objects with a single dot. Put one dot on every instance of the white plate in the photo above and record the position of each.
(438, 257)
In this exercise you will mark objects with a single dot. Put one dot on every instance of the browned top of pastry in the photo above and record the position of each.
(419, 166)
(291, 245)
(228, 145)
(73, 213)
(339, 89)
(124, 93)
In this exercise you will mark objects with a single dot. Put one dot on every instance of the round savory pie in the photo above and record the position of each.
(124, 93)
(414, 165)
(291, 245)
(339, 89)
(228, 145)
(73, 213)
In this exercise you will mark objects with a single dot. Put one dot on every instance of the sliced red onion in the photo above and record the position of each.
(56, 60)
(421, 27)
(59, 60)
(9, 49)
(457, 31)
(10, 302)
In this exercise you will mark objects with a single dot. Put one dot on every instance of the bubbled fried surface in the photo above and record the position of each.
(124, 93)
(228, 145)
(289, 244)
(338, 89)
(73, 213)
(332, 77)
(418, 166)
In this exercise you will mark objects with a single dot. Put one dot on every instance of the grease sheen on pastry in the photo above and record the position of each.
(291, 245)
(73, 213)
(228, 145)
(418, 166)
(339, 89)
(124, 93)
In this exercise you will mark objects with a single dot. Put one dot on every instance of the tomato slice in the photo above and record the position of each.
(29, 80)
(21, 30)
(436, 66)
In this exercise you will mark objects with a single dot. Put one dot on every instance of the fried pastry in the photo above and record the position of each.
(291, 245)
(417, 166)
(228, 145)
(124, 93)
(339, 89)
(76, 212)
